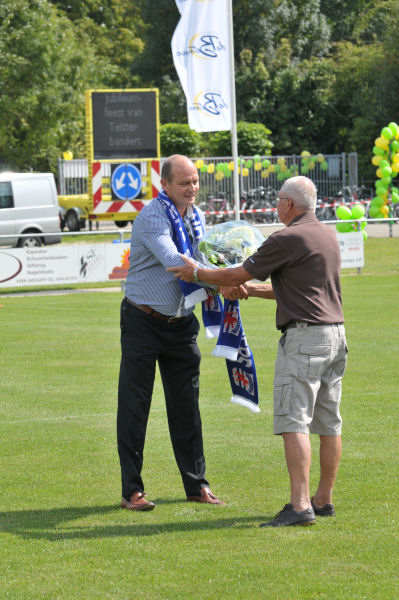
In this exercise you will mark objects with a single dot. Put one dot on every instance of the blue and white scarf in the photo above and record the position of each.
(223, 322)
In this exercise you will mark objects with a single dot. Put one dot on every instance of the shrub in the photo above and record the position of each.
(252, 138)
(178, 138)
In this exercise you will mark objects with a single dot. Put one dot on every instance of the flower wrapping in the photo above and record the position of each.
(229, 244)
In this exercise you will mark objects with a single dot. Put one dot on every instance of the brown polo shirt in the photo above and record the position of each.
(304, 263)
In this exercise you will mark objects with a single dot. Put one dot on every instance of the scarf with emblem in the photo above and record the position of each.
(221, 321)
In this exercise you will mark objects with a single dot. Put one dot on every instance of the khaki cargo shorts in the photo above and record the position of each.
(310, 364)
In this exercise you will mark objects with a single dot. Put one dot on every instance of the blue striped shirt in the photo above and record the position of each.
(152, 249)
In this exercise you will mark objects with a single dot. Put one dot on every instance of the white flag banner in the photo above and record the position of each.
(181, 4)
(200, 48)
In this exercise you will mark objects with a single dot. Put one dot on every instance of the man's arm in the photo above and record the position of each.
(259, 290)
(230, 276)
(247, 290)
(236, 277)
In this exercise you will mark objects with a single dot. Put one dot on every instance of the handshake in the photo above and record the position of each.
(241, 292)
(233, 283)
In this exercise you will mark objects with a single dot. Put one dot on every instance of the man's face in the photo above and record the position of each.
(183, 187)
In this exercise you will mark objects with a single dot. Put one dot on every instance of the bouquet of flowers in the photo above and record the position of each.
(229, 244)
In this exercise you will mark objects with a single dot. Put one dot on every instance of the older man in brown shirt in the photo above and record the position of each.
(303, 261)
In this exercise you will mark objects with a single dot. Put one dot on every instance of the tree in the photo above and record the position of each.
(115, 30)
(44, 69)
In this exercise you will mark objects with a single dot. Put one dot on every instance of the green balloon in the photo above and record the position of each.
(304, 170)
(343, 227)
(363, 223)
(379, 184)
(386, 172)
(383, 163)
(204, 169)
(249, 163)
(343, 212)
(395, 197)
(381, 191)
(365, 236)
(256, 156)
(394, 128)
(377, 201)
(324, 165)
(395, 146)
(386, 133)
(378, 151)
(265, 163)
(373, 211)
(386, 180)
(358, 211)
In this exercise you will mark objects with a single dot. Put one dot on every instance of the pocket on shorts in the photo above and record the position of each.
(282, 392)
(339, 366)
(313, 360)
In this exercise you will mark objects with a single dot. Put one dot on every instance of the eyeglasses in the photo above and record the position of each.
(283, 198)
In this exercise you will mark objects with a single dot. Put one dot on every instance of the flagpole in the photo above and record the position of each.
(234, 143)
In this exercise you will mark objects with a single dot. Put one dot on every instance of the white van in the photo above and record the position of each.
(29, 205)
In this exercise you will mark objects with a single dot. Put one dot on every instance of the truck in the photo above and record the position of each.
(85, 191)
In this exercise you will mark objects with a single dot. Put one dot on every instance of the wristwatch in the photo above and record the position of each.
(195, 276)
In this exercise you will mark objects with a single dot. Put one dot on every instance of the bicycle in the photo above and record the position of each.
(216, 209)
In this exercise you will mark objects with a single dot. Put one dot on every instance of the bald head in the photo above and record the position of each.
(174, 163)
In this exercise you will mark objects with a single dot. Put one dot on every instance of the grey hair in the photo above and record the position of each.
(302, 191)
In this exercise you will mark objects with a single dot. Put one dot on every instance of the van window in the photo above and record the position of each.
(32, 192)
(6, 199)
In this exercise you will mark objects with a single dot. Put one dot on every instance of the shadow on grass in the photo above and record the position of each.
(56, 524)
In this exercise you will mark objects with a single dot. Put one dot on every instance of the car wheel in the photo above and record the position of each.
(72, 221)
(30, 242)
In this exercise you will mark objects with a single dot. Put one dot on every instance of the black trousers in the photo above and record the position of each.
(146, 339)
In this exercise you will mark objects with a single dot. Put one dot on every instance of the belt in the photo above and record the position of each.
(154, 313)
(295, 323)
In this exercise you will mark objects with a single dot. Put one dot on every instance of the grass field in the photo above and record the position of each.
(62, 534)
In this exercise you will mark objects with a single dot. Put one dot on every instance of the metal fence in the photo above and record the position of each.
(330, 173)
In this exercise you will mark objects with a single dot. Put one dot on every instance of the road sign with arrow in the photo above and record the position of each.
(126, 182)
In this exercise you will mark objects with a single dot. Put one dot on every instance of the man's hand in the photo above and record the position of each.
(234, 293)
(184, 272)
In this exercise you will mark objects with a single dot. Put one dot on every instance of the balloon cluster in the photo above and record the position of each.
(386, 159)
(265, 166)
(345, 214)
(309, 162)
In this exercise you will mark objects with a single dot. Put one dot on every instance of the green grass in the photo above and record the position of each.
(61, 532)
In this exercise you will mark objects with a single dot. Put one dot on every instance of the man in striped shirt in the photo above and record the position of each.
(156, 327)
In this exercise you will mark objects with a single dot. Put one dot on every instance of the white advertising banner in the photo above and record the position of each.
(200, 49)
(351, 246)
(63, 264)
(78, 263)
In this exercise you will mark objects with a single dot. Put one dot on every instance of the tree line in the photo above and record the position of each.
(320, 75)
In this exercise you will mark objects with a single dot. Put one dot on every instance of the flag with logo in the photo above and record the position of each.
(200, 49)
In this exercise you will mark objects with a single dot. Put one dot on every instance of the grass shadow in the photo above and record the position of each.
(57, 524)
